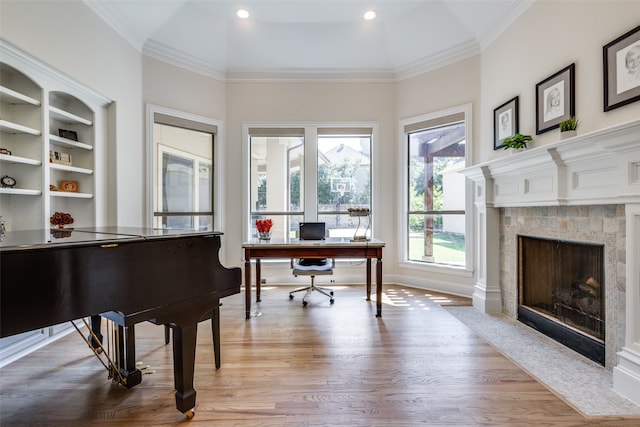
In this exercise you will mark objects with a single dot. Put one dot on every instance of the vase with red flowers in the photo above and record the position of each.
(60, 219)
(264, 228)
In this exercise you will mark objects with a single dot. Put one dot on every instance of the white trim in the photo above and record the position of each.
(310, 146)
(626, 375)
(218, 164)
(403, 194)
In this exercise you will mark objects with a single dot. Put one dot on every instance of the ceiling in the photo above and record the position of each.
(309, 39)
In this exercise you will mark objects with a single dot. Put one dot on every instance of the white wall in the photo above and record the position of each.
(540, 43)
(70, 38)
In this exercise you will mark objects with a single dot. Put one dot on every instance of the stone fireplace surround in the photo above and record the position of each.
(584, 189)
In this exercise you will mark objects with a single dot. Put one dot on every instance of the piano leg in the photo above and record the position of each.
(184, 356)
(215, 330)
(126, 356)
(96, 322)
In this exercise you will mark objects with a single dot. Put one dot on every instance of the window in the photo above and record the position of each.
(436, 192)
(182, 172)
(311, 173)
(277, 178)
(184, 190)
(344, 180)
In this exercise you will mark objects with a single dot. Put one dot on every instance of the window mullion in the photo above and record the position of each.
(310, 173)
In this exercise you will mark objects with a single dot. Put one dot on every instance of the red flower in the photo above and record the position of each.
(61, 218)
(264, 225)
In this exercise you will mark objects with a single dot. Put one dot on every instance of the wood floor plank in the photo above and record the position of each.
(320, 365)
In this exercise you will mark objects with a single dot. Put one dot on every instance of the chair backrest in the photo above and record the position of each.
(312, 230)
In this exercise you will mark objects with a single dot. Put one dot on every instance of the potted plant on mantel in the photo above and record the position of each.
(516, 142)
(568, 128)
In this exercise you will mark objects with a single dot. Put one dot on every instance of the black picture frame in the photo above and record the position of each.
(621, 66)
(68, 134)
(505, 122)
(555, 99)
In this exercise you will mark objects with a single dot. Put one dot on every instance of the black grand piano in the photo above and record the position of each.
(129, 275)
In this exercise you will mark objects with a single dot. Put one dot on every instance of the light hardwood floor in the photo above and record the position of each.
(322, 365)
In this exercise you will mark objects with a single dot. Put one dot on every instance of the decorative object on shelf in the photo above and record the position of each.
(69, 186)
(5, 151)
(359, 213)
(68, 134)
(8, 181)
(622, 70)
(569, 128)
(517, 141)
(53, 187)
(3, 229)
(505, 122)
(264, 228)
(60, 219)
(555, 99)
(59, 158)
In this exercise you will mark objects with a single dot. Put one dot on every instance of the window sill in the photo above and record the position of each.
(436, 268)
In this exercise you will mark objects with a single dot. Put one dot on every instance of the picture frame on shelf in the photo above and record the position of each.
(60, 158)
(68, 134)
(621, 66)
(555, 99)
(505, 122)
(68, 186)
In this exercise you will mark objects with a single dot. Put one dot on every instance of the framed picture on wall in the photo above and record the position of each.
(505, 122)
(622, 70)
(555, 99)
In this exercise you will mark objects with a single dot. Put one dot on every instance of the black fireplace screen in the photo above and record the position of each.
(564, 282)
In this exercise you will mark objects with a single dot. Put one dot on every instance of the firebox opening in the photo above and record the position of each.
(561, 292)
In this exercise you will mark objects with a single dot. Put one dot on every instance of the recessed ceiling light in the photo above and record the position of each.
(242, 14)
(369, 15)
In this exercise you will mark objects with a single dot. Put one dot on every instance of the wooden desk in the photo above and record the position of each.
(295, 248)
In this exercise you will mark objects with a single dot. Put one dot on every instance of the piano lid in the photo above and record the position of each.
(38, 239)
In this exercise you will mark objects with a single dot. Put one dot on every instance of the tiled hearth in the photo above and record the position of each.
(583, 189)
(583, 224)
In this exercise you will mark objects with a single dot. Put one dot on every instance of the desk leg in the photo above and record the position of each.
(258, 279)
(379, 287)
(247, 287)
(368, 279)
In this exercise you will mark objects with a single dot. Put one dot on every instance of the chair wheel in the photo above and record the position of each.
(290, 296)
(304, 303)
(331, 301)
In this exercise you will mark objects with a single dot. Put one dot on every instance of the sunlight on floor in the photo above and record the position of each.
(403, 298)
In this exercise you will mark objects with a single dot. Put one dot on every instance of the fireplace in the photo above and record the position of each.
(582, 189)
(561, 292)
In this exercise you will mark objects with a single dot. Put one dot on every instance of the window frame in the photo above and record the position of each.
(403, 198)
(197, 161)
(310, 203)
(217, 165)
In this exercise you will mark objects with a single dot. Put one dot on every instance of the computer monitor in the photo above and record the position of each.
(312, 230)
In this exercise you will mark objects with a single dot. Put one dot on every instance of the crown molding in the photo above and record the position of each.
(109, 15)
(162, 52)
(509, 14)
(438, 60)
(311, 75)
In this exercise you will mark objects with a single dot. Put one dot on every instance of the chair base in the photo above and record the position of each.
(324, 291)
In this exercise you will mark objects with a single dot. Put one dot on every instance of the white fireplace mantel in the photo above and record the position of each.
(597, 168)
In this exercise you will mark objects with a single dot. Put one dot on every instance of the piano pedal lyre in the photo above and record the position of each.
(101, 353)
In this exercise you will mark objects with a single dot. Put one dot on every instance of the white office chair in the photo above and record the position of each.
(307, 267)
